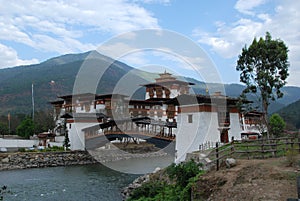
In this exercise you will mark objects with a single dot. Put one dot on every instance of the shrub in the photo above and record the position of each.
(291, 157)
(182, 172)
(183, 176)
(22, 149)
(147, 190)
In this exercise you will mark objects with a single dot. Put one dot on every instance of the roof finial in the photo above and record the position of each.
(165, 71)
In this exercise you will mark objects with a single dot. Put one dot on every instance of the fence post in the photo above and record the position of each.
(217, 155)
(276, 142)
(298, 186)
(248, 149)
(232, 146)
(298, 140)
(262, 149)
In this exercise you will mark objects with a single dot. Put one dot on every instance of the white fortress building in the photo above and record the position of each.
(168, 112)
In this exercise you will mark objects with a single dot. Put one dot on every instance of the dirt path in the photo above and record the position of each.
(269, 179)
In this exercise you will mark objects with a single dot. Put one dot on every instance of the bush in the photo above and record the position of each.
(22, 149)
(291, 157)
(147, 190)
(182, 172)
(183, 176)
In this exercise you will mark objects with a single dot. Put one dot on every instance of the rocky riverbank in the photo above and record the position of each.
(138, 182)
(113, 152)
(22, 160)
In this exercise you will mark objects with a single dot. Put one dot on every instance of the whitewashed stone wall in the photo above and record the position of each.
(204, 127)
(14, 143)
(235, 127)
(76, 135)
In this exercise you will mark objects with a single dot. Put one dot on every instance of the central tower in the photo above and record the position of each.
(166, 87)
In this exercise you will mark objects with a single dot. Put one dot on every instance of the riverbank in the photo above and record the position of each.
(256, 179)
(111, 153)
(117, 152)
(23, 160)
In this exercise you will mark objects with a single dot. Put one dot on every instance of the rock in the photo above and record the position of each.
(5, 160)
(230, 162)
(156, 170)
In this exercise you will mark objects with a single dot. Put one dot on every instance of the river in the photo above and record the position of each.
(72, 183)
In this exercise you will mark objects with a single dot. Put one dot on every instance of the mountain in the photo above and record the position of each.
(57, 76)
(291, 114)
(291, 94)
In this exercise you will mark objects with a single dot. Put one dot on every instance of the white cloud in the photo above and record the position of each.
(230, 38)
(116, 49)
(136, 59)
(9, 57)
(246, 6)
(164, 2)
(60, 26)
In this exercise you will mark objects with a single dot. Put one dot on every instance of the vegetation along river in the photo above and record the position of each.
(72, 183)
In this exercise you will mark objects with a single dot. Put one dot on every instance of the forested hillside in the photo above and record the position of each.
(291, 114)
(56, 77)
(50, 79)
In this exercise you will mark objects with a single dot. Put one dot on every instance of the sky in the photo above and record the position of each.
(33, 31)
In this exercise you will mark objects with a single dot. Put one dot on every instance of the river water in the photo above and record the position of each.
(72, 183)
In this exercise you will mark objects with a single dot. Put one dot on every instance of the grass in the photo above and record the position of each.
(49, 149)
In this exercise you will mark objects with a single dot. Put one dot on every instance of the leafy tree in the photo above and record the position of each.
(264, 69)
(43, 121)
(26, 128)
(67, 140)
(277, 125)
(3, 129)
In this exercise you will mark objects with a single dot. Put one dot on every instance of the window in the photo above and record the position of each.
(190, 118)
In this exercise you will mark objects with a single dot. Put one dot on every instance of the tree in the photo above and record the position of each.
(67, 140)
(277, 125)
(43, 121)
(264, 69)
(26, 128)
(3, 129)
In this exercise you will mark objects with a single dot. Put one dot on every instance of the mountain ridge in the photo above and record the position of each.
(56, 76)
(291, 114)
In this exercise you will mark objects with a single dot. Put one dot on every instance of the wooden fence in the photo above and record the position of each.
(260, 148)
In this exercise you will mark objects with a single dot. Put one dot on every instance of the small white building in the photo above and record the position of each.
(252, 125)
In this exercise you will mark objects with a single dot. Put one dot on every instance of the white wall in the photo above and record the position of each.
(235, 127)
(76, 135)
(190, 135)
(13, 143)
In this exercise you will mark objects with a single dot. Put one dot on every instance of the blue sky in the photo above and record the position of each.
(32, 31)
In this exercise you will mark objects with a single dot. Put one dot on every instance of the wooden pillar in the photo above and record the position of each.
(217, 155)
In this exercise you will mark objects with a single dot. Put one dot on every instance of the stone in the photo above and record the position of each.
(5, 160)
(230, 162)
(156, 170)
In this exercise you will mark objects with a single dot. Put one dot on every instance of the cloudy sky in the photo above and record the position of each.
(33, 31)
